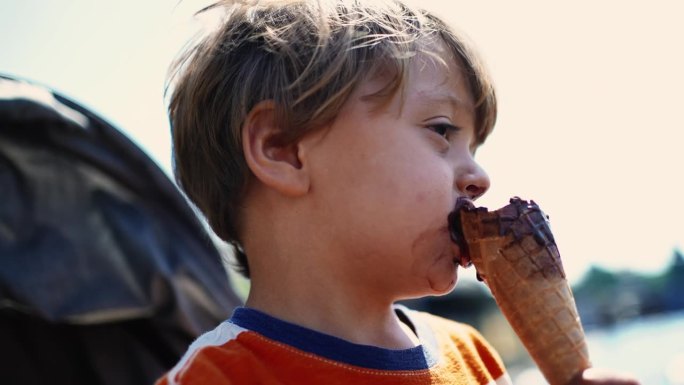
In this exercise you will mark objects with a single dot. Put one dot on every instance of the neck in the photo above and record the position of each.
(304, 283)
(344, 312)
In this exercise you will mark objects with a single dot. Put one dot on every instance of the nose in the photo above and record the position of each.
(472, 180)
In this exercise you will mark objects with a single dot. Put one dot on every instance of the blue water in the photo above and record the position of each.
(651, 348)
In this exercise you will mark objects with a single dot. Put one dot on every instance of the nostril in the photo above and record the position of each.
(474, 191)
(472, 182)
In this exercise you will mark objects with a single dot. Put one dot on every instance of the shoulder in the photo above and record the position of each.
(444, 328)
(208, 356)
(462, 343)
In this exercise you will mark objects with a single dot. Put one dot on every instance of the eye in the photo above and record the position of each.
(443, 129)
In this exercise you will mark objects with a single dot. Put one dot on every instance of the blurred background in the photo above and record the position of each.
(589, 127)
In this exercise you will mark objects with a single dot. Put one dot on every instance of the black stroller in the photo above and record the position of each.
(106, 274)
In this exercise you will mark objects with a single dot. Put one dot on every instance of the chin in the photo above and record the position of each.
(442, 285)
(438, 291)
(434, 286)
(442, 276)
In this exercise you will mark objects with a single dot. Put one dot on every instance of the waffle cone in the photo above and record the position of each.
(515, 254)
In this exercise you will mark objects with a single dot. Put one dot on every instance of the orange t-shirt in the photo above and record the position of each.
(255, 348)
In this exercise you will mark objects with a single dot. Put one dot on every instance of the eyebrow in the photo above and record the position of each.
(441, 98)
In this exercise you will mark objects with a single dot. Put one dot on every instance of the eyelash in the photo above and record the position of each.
(443, 129)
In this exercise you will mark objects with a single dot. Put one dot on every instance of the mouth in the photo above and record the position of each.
(461, 258)
(459, 250)
(460, 246)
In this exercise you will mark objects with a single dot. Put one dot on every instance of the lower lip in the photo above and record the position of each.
(463, 262)
(459, 262)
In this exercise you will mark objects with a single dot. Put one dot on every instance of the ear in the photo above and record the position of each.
(276, 165)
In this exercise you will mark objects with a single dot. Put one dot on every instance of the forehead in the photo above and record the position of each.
(433, 78)
(438, 79)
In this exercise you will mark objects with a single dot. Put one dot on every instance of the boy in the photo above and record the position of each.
(328, 141)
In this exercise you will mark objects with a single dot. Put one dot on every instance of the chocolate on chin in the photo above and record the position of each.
(514, 252)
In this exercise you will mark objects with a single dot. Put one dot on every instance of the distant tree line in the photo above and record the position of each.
(605, 297)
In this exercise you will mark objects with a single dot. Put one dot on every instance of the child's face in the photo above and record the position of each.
(385, 181)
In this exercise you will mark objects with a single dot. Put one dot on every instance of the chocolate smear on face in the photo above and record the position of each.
(455, 227)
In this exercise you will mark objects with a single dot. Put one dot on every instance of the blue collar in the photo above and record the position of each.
(337, 349)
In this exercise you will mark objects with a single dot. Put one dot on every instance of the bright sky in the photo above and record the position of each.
(590, 96)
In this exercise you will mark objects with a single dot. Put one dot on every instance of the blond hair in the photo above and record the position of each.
(305, 55)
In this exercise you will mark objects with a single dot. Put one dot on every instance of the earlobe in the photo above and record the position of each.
(273, 163)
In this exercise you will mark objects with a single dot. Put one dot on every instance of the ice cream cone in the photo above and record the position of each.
(514, 252)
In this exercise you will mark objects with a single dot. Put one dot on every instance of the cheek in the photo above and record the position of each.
(405, 184)
(432, 189)
(415, 201)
